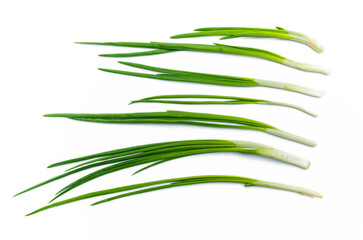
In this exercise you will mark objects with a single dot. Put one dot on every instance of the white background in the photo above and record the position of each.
(43, 71)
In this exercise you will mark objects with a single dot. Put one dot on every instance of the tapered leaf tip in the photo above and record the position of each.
(123, 62)
(29, 214)
(51, 115)
(87, 43)
(83, 42)
(99, 202)
(24, 191)
(226, 37)
(36, 211)
(17, 194)
(105, 54)
(52, 165)
(199, 29)
(57, 195)
(128, 63)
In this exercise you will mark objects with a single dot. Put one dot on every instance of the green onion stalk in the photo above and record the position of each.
(235, 32)
(163, 47)
(176, 182)
(158, 153)
(205, 78)
(205, 99)
(185, 118)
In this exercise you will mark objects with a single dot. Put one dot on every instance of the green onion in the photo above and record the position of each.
(234, 32)
(220, 48)
(189, 118)
(226, 100)
(158, 153)
(176, 182)
(185, 76)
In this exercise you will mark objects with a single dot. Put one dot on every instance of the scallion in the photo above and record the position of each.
(158, 153)
(176, 182)
(223, 100)
(220, 48)
(234, 32)
(188, 118)
(185, 76)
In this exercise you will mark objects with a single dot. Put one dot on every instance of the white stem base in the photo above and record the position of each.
(245, 144)
(312, 43)
(305, 67)
(285, 157)
(293, 106)
(290, 136)
(290, 87)
(270, 152)
(303, 191)
(304, 90)
(315, 45)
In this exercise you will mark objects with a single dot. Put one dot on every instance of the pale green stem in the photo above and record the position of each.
(306, 40)
(284, 156)
(270, 152)
(305, 66)
(292, 106)
(290, 136)
(290, 87)
(315, 45)
(245, 144)
(300, 190)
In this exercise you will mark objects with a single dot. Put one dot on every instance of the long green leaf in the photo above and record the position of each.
(189, 118)
(225, 100)
(176, 182)
(161, 152)
(185, 76)
(234, 32)
(219, 48)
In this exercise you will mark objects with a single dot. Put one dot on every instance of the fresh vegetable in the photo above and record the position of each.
(224, 100)
(220, 48)
(234, 32)
(184, 76)
(189, 118)
(158, 153)
(176, 182)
